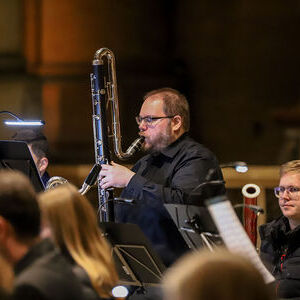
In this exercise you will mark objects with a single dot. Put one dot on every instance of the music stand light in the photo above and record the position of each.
(239, 166)
(19, 121)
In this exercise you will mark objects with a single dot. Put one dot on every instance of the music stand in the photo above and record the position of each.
(195, 225)
(16, 155)
(136, 261)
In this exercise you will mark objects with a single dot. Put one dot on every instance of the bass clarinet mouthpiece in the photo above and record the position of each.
(135, 146)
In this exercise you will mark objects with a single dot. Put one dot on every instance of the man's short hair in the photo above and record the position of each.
(292, 166)
(18, 204)
(175, 103)
(36, 139)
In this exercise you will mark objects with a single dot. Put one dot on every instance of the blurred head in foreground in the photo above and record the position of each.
(219, 275)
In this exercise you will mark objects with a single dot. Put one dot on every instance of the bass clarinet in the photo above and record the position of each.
(104, 95)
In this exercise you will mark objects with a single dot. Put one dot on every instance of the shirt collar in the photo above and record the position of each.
(173, 148)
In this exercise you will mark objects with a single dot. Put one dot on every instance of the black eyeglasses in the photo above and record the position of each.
(279, 190)
(149, 119)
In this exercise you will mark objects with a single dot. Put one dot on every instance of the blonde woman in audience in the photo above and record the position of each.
(219, 275)
(69, 219)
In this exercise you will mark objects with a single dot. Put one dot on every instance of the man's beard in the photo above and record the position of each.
(160, 141)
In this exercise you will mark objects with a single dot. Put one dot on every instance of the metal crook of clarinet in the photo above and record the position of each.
(104, 94)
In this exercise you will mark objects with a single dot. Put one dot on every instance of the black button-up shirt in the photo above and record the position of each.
(168, 177)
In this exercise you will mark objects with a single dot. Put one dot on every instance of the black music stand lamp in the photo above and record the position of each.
(195, 225)
(136, 261)
(16, 155)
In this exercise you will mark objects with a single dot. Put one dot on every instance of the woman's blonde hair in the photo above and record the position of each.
(74, 228)
(219, 275)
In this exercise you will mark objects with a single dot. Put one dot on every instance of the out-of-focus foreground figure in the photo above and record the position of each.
(219, 275)
(70, 220)
(41, 272)
(6, 279)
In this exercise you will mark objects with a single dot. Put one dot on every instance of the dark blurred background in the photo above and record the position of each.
(236, 61)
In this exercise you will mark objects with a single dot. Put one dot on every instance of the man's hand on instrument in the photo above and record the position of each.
(114, 175)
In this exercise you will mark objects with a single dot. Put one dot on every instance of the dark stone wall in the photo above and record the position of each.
(237, 62)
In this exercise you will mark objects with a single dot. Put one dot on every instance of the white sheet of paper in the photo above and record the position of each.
(234, 235)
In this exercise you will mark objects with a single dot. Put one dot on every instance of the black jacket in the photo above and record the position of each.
(44, 274)
(280, 252)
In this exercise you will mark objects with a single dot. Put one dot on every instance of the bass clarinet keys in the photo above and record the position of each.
(105, 96)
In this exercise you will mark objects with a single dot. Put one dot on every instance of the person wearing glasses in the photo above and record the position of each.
(280, 239)
(173, 168)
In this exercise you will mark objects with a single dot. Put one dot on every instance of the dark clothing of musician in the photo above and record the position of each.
(168, 176)
(45, 178)
(280, 252)
(44, 274)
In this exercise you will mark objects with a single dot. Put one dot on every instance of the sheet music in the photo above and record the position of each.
(234, 235)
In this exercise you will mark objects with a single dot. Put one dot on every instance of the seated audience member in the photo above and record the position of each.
(219, 275)
(41, 272)
(280, 239)
(6, 279)
(39, 148)
(70, 220)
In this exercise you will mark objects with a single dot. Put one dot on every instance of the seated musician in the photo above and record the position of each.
(175, 166)
(39, 148)
(280, 239)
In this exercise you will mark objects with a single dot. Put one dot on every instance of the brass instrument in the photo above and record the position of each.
(105, 95)
(55, 181)
(250, 192)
